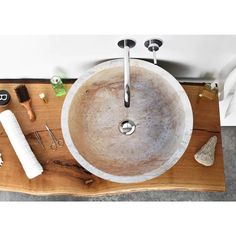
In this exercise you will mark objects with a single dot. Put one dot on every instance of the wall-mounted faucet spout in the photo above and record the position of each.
(126, 44)
(126, 77)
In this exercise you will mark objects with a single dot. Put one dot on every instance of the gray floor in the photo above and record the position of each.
(229, 146)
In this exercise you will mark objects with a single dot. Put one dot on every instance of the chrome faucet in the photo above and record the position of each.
(153, 46)
(126, 44)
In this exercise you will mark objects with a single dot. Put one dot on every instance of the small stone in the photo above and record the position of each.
(206, 155)
(88, 181)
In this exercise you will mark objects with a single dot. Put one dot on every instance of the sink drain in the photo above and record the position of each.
(127, 127)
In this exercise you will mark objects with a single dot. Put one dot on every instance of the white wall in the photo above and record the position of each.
(40, 56)
(195, 56)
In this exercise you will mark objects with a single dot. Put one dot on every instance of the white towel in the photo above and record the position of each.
(18, 141)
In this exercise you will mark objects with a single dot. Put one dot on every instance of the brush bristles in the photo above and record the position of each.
(22, 93)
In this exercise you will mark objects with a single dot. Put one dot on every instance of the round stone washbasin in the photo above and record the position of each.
(120, 144)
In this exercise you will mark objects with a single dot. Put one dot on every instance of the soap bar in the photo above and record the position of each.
(206, 155)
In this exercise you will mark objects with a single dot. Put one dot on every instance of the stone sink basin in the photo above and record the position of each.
(94, 110)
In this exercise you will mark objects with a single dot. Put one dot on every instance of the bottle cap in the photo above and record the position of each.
(55, 79)
(5, 97)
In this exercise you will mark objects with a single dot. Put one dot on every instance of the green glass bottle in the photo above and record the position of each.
(58, 86)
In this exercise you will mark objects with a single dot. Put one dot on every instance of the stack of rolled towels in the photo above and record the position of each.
(19, 143)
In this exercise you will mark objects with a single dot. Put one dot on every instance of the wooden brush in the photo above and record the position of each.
(25, 101)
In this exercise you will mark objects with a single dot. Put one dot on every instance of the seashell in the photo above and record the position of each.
(206, 155)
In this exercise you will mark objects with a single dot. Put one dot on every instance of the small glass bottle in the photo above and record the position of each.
(58, 86)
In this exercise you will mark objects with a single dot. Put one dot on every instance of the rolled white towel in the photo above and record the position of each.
(19, 143)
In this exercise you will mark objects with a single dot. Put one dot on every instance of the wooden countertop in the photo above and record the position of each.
(63, 175)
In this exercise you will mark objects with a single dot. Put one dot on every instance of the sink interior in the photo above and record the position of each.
(161, 113)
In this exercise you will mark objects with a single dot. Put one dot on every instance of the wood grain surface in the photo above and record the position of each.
(63, 175)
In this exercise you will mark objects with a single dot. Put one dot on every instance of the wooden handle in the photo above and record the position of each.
(31, 114)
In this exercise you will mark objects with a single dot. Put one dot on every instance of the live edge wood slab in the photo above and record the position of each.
(63, 175)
